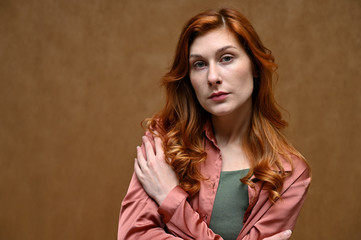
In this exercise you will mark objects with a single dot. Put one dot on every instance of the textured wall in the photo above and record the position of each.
(77, 77)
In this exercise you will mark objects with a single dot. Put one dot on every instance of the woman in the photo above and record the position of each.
(220, 124)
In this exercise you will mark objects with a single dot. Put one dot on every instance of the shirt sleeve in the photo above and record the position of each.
(182, 220)
(139, 218)
(282, 215)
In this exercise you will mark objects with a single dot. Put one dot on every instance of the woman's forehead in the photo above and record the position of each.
(212, 41)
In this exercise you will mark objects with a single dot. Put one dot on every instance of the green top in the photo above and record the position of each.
(230, 205)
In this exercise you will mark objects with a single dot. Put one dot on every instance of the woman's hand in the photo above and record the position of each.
(155, 175)
(280, 236)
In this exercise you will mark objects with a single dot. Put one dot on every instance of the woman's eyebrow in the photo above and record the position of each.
(217, 52)
(195, 56)
(224, 48)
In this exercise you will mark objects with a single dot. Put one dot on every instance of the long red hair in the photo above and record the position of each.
(181, 121)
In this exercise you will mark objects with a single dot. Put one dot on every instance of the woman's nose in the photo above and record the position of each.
(213, 75)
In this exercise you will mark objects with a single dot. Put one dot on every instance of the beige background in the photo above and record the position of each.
(77, 77)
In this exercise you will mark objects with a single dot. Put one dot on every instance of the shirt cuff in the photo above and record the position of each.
(171, 203)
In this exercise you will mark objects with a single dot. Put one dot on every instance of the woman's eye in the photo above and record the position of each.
(199, 65)
(226, 59)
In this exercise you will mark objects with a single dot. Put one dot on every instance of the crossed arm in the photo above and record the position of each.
(153, 182)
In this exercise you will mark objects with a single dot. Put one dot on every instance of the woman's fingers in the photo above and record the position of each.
(155, 175)
(137, 169)
(149, 151)
(149, 135)
(141, 161)
(158, 147)
(152, 150)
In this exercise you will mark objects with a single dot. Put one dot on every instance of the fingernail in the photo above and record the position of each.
(287, 233)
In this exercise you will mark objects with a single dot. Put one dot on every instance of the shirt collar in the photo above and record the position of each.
(208, 130)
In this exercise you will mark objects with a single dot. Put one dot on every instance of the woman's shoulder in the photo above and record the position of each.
(295, 163)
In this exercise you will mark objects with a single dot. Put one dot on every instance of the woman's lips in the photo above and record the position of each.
(218, 96)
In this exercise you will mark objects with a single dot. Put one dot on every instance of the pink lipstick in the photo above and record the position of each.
(219, 96)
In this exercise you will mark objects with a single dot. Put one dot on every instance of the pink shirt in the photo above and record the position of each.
(184, 217)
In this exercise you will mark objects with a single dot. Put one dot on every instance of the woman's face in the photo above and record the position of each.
(220, 73)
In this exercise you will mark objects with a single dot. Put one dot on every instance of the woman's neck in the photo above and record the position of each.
(231, 129)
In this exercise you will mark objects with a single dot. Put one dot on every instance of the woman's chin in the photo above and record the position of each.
(222, 113)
